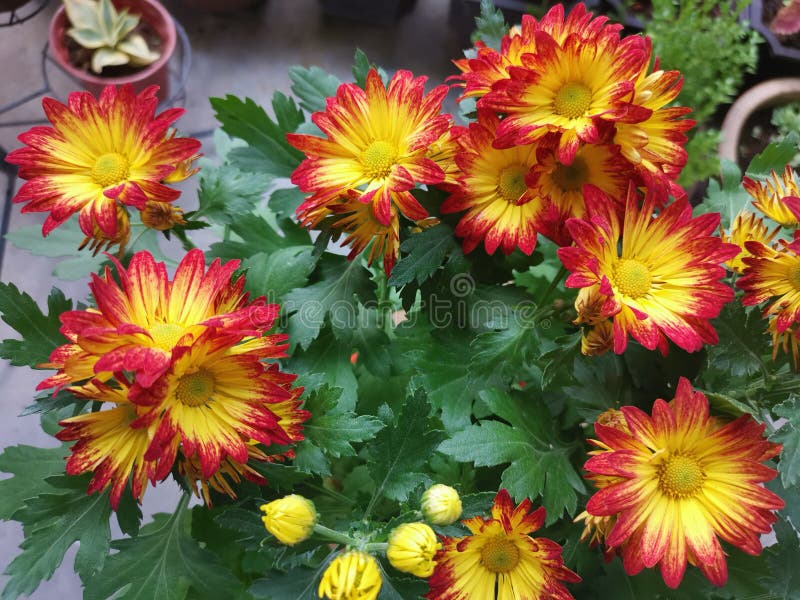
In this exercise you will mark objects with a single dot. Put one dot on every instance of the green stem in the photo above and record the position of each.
(332, 493)
(373, 547)
(334, 536)
(553, 285)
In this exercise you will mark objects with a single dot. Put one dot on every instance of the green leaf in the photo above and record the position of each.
(743, 342)
(163, 562)
(268, 152)
(227, 193)
(326, 361)
(727, 199)
(783, 558)
(284, 202)
(312, 86)
(256, 235)
(331, 431)
(423, 254)
(401, 449)
(52, 523)
(40, 332)
(365, 333)
(311, 306)
(276, 273)
(504, 351)
(774, 157)
(30, 467)
(789, 436)
(361, 67)
(490, 25)
(298, 584)
(540, 464)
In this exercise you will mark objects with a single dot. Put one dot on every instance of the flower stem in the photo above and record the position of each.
(553, 285)
(373, 547)
(334, 536)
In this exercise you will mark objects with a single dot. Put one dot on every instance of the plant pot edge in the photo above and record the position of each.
(753, 15)
(156, 16)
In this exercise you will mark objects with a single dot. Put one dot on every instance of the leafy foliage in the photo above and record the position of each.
(39, 331)
(422, 253)
(789, 436)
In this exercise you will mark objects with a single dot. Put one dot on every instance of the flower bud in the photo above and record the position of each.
(441, 505)
(412, 547)
(290, 519)
(352, 575)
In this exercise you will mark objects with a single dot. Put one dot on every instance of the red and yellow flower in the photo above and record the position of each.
(680, 480)
(500, 560)
(502, 209)
(746, 227)
(663, 279)
(576, 88)
(773, 274)
(778, 197)
(178, 369)
(376, 144)
(101, 155)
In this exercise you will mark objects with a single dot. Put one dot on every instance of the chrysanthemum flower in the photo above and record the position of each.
(500, 560)
(773, 273)
(139, 321)
(100, 154)
(179, 370)
(161, 216)
(489, 66)
(746, 227)
(502, 210)
(412, 548)
(661, 280)
(376, 144)
(597, 333)
(576, 88)
(787, 341)
(778, 197)
(352, 575)
(681, 479)
(655, 145)
(441, 505)
(290, 519)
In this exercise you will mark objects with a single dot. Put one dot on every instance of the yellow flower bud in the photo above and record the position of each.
(412, 547)
(290, 519)
(441, 505)
(352, 575)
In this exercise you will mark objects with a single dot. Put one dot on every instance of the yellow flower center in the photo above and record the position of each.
(166, 335)
(794, 275)
(680, 476)
(499, 555)
(110, 169)
(573, 100)
(632, 278)
(511, 183)
(571, 178)
(378, 159)
(195, 389)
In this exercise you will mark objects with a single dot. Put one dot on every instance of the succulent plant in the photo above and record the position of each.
(98, 26)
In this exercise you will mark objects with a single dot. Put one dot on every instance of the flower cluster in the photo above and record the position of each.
(176, 368)
(672, 483)
(101, 158)
(564, 103)
(771, 268)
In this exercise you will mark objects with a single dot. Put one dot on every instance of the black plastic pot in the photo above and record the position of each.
(754, 14)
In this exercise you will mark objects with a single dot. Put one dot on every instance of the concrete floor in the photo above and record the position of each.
(246, 54)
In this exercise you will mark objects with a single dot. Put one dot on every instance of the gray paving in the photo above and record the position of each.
(245, 54)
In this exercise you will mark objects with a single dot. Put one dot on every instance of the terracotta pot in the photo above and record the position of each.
(9, 5)
(767, 94)
(221, 6)
(156, 17)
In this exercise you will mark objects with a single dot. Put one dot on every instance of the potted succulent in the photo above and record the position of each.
(98, 43)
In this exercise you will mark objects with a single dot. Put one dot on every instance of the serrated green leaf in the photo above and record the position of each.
(256, 235)
(727, 199)
(310, 307)
(783, 558)
(331, 431)
(774, 157)
(267, 152)
(52, 523)
(276, 273)
(789, 436)
(743, 342)
(365, 332)
(326, 362)
(312, 86)
(298, 584)
(490, 25)
(539, 466)
(284, 202)
(30, 467)
(361, 67)
(163, 562)
(400, 450)
(40, 332)
(227, 193)
(423, 253)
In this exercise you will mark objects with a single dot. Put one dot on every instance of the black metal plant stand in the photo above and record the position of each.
(180, 64)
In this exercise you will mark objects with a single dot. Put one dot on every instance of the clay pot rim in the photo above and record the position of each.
(767, 94)
(60, 22)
